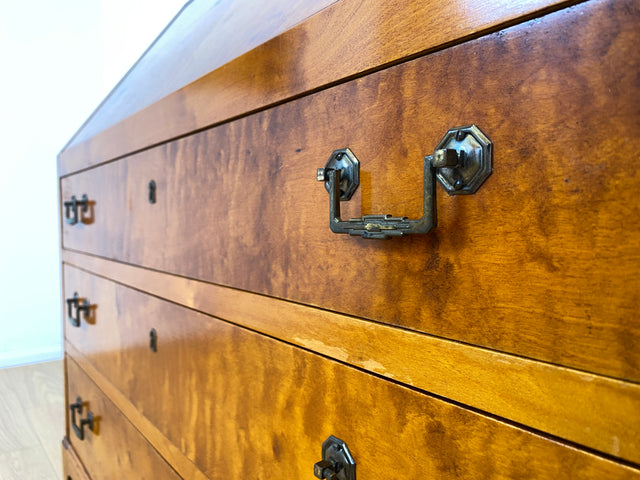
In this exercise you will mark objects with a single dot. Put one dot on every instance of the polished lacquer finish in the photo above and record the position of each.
(113, 448)
(349, 38)
(270, 403)
(71, 463)
(217, 328)
(528, 392)
(538, 243)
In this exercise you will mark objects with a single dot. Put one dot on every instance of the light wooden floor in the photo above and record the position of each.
(31, 422)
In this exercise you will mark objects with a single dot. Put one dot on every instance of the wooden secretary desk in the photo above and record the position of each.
(239, 305)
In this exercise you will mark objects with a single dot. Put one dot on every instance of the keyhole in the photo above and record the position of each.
(152, 191)
(153, 340)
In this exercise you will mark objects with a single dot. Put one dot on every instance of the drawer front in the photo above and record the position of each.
(229, 393)
(542, 261)
(113, 448)
(71, 466)
(300, 60)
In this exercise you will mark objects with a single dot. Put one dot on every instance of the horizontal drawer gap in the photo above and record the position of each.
(72, 159)
(527, 392)
(164, 446)
(167, 450)
(74, 258)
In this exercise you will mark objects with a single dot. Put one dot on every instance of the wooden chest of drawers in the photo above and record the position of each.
(217, 328)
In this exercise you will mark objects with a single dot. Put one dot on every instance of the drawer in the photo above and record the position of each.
(541, 261)
(113, 448)
(71, 466)
(302, 59)
(230, 393)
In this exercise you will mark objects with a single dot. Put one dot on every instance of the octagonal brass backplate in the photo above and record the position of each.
(474, 165)
(346, 162)
(337, 462)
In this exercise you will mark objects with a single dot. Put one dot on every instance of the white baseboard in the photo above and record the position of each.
(25, 357)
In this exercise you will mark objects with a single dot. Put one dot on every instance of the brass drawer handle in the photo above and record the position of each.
(79, 429)
(461, 163)
(80, 306)
(71, 208)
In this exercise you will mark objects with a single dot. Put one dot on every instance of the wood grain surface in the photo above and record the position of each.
(541, 262)
(72, 466)
(31, 421)
(115, 449)
(228, 393)
(538, 395)
(347, 39)
(168, 450)
(30, 462)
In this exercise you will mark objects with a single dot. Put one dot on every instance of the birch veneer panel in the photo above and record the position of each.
(221, 330)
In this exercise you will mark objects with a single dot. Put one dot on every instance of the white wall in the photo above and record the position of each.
(58, 59)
